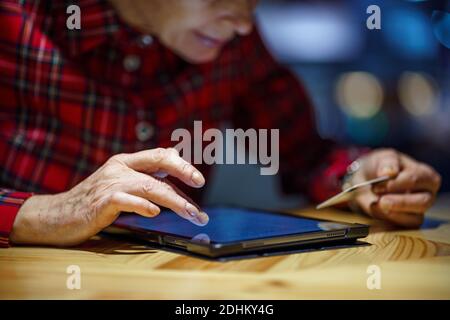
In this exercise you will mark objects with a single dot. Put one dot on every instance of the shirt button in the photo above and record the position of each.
(145, 40)
(144, 131)
(131, 62)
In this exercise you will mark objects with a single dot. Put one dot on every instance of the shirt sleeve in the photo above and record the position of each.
(275, 99)
(10, 203)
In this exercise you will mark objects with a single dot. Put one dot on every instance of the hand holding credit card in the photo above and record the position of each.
(348, 193)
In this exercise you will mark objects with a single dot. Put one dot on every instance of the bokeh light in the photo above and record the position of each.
(409, 34)
(295, 31)
(369, 132)
(441, 27)
(359, 94)
(418, 93)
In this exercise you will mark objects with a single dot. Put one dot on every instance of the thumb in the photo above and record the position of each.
(388, 165)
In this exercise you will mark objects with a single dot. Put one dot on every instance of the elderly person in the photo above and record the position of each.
(86, 117)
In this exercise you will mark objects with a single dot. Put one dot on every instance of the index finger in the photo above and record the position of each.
(409, 181)
(168, 161)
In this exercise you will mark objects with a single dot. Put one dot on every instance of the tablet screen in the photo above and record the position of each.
(229, 225)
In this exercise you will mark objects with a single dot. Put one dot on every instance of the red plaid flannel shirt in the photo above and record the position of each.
(70, 99)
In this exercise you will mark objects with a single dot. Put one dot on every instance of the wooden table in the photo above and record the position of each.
(413, 264)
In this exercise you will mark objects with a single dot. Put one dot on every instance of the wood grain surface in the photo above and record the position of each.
(413, 263)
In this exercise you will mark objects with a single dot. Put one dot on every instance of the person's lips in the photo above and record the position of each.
(210, 42)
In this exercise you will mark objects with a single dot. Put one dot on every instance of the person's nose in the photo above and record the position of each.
(240, 14)
(243, 26)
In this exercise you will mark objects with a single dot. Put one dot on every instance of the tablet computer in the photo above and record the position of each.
(233, 230)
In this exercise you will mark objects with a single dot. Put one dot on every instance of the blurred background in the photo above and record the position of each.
(377, 88)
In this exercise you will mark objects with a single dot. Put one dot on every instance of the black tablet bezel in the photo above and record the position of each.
(349, 232)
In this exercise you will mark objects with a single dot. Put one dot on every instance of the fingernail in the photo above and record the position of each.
(203, 218)
(154, 212)
(192, 211)
(198, 179)
(386, 206)
(387, 170)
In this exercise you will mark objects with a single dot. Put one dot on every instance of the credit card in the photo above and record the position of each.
(348, 193)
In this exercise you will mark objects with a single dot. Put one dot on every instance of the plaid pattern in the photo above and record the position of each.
(10, 202)
(69, 102)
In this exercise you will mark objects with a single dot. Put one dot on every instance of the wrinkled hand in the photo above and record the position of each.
(402, 200)
(126, 182)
